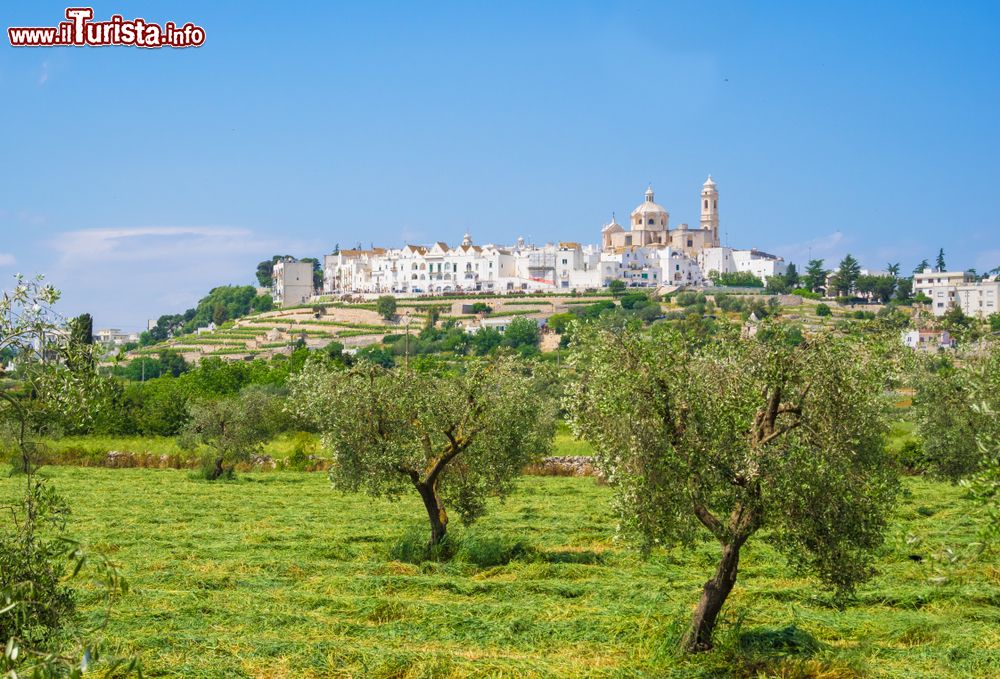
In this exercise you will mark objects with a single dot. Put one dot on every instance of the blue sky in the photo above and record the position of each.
(139, 179)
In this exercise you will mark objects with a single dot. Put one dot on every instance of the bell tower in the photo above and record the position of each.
(710, 210)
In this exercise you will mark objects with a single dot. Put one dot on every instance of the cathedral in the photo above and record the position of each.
(650, 226)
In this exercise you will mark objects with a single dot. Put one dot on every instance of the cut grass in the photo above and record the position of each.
(276, 575)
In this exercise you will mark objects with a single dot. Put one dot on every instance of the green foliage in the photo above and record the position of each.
(776, 285)
(224, 303)
(234, 428)
(81, 330)
(36, 557)
(738, 279)
(386, 307)
(457, 438)
(485, 340)
(522, 334)
(634, 299)
(376, 355)
(823, 309)
(617, 287)
(32, 568)
(733, 436)
(481, 308)
(953, 407)
(261, 303)
(265, 270)
(845, 279)
(815, 276)
(559, 323)
(686, 299)
(879, 288)
(985, 484)
(169, 362)
(592, 311)
(730, 302)
(955, 319)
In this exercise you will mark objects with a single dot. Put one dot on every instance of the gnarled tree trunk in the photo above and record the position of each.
(713, 596)
(435, 511)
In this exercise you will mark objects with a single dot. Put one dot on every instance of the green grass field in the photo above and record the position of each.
(276, 575)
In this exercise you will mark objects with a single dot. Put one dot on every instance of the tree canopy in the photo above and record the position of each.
(457, 438)
(955, 406)
(733, 436)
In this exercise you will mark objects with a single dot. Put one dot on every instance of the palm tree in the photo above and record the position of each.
(893, 269)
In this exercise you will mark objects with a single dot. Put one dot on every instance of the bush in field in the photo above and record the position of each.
(823, 309)
(235, 429)
(730, 302)
(523, 335)
(456, 438)
(735, 436)
(386, 307)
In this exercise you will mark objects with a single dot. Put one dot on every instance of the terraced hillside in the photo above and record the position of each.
(351, 324)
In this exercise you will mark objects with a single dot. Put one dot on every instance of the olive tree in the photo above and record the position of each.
(954, 405)
(456, 437)
(36, 555)
(386, 307)
(235, 429)
(736, 437)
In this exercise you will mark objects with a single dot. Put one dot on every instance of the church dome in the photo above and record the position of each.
(709, 183)
(652, 214)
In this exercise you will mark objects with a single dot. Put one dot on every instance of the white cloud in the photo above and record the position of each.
(43, 75)
(7, 260)
(125, 275)
(152, 242)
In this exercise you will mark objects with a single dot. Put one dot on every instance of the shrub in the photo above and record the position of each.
(386, 306)
(911, 456)
(823, 310)
(489, 551)
(740, 279)
(412, 547)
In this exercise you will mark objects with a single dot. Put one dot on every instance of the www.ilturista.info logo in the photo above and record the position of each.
(81, 31)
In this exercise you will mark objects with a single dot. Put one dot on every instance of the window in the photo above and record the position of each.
(690, 242)
(715, 204)
(706, 203)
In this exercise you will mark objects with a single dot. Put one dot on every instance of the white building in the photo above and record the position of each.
(928, 340)
(649, 254)
(292, 282)
(942, 287)
(115, 337)
(980, 299)
(727, 260)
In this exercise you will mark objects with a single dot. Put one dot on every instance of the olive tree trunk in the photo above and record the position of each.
(713, 596)
(435, 511)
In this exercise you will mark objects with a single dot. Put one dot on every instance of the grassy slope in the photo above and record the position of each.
(274, 575)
